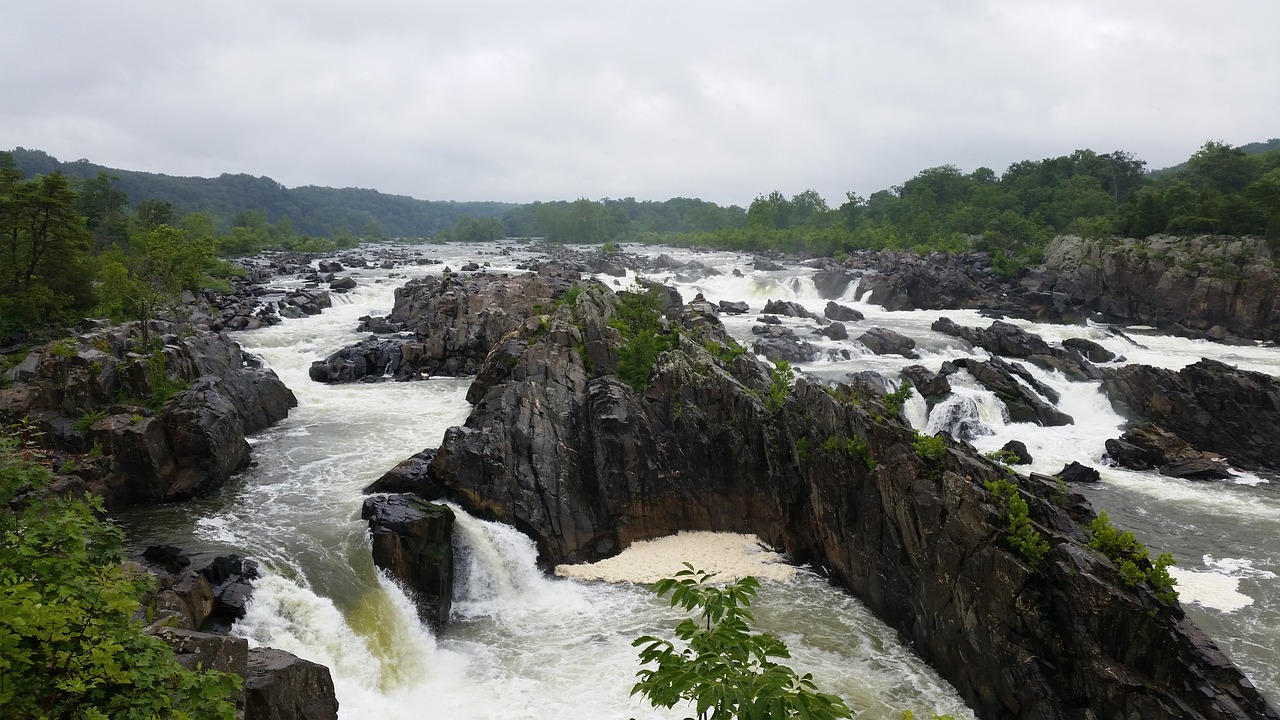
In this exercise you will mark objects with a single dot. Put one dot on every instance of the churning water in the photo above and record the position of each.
(522, 645)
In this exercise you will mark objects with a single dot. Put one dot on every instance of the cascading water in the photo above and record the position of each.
(1224, 535)
(521, 645)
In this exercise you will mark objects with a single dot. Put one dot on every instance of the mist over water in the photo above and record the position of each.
(522, 645)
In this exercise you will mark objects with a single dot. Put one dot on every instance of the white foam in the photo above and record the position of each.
(729, 555)
(1211, 590)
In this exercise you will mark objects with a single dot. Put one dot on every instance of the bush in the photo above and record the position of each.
(1130, 557)
(69, 646)
(931, 448)
(894, 401)
(645, 334)
(1021, 536)
(780, 378)
(725, 670)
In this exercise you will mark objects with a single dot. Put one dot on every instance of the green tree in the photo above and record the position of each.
(724, 669)
(69, 645)
(150, 277)
(43, 244)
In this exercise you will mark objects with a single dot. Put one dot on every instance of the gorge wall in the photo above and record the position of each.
(559, 447)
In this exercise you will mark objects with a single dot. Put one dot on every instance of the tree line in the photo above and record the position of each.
(311, 211)
(1220, 190)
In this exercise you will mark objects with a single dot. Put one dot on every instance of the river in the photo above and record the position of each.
(522, 645)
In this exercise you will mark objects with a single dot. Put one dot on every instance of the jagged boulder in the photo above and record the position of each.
(835, 331)
(1017, 450)
(788, 308)
(282, 686)
(1090, 349)
(413, 542)
(733, 307)
(1075, 473)
(455, 321)
(1024, 404)
(832, 282)
(1150, 446)
(411, 475)
(841, 313)
(931, 386)
(1212, 406)
(1009, 340)
(779, 343)
(883, 341)
(95, 390)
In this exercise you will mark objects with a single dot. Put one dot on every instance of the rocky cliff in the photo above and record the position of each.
(558, 446)
(444, 325)
(1216, 286)
(145, 422)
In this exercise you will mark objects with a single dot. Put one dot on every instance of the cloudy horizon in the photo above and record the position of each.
(519, 102)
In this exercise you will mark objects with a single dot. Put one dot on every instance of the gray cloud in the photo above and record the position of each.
(524, 101)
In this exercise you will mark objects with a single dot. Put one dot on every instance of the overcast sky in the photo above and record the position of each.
(522, 101)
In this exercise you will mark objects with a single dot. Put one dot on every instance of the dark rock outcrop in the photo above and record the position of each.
(931, 386)
(883, 341)
(1150, 446)
(1009, 340)
(412, 475)
(1202, 283)
(1089, 349)
(832, 282)
(1213, 406)
(779, 343)
(1023, 403)
(282, 686)
(454, 320)
(95, 391)
(733, 307)
(788, 308)
(841, 313)
(1018, 450)
(835, 331)
(1075, 473)
(413, 542)
(585, 465)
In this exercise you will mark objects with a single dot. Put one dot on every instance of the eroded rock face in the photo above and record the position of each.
(282, 686)
(585, 465)
(97, 397)
(1009, 340)
(1024, 404)
(454, 320)
(1210, 405)
(883, 341)
(1150, 446)
(412, 540)
(1199, 283)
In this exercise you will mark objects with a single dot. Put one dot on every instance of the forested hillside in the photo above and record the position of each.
(320, 211)
(1220, 190)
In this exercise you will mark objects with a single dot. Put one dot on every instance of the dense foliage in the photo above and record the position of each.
(1130, 557)
(646, 333)
(1021, 536)
(69, 645)
(724, 669)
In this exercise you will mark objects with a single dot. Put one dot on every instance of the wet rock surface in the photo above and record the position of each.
(451, 322)
(412, 541)
(883, 341)
(1210, 405)
(146, 422)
